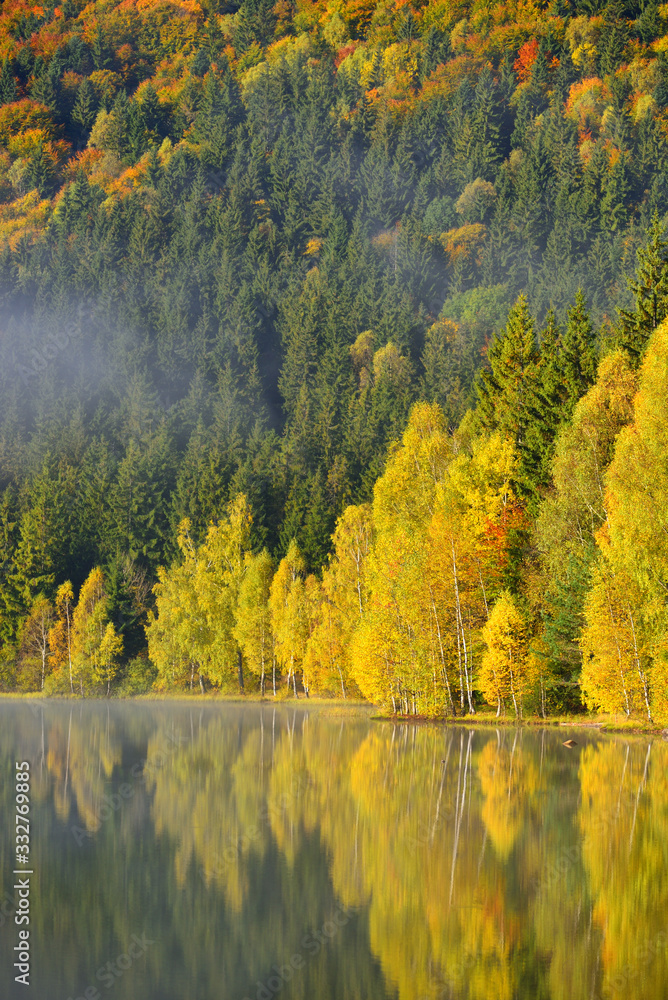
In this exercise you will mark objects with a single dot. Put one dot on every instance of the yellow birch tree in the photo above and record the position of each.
(60, 636)
(252, 628)
(503, 672)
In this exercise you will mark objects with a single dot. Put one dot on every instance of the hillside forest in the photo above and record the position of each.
(332, 355)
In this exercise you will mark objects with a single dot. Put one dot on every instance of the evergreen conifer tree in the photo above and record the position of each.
(504, 389)
(650, 291)
(577, 360)
(546, 399)
(84, 111)
(7, 83)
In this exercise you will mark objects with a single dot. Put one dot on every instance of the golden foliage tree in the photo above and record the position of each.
(441, 517)
(220, 567)
(60, 635)
(626, 635)
(341, 602)
(288, 612)
(252, 628)
(504, 670)
(196, 604)
(95, 646)
(178, 633)
(34, 643)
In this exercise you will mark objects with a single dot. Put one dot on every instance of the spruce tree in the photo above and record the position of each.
(545, 409)
(577, 360)
(615, 37)
(40, 170)
(650, 290)
(84, 111)
(563, 620)
(46, 85)
(565, 370)
(100, 50)
(7, 83)
(505, 388)
(12, 603)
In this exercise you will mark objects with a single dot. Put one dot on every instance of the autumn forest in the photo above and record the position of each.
(332, 352)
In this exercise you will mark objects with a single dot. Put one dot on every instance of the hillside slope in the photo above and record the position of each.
(238, 242)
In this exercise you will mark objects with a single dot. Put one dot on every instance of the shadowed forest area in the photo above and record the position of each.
(331, 352)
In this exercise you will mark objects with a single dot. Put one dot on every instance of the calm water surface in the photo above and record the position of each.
(198, 852)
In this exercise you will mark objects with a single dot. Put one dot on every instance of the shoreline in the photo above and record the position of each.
(607, 724)
(631, 727)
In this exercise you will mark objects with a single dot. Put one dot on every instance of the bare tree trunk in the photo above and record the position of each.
(442, 651)
(482, 588)
(469, 679)
(343, 688)
(457, 623)
(641, 673)
(69, 650)
(512, 685)
(240, 668)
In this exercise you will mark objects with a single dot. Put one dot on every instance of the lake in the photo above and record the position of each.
(223, 852)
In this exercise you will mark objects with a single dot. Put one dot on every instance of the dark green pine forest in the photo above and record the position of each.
(238, 242)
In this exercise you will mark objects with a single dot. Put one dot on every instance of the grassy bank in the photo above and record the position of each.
(601, 722)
